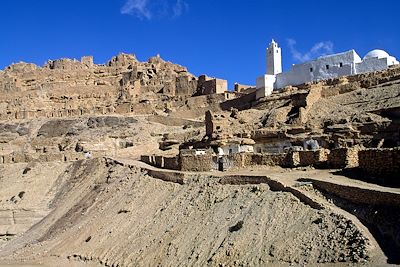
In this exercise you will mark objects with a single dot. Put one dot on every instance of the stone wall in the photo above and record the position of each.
(268, 159)
(162, 162)
(240, 103)
(316, 158)
(200, 163)
(343, 158)
(242, 88)
(207, 86)
(380, 162)
(372, 161)
(230, 162)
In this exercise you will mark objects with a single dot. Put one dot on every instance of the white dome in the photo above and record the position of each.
(376, 53)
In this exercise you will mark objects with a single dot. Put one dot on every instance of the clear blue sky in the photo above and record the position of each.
(221, 38)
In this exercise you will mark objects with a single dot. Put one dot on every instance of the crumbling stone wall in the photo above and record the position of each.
(382, 162)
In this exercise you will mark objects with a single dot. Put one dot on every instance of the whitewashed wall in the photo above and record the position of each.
(265, 85)
(372, 64)
(339, 65)
(323, 68)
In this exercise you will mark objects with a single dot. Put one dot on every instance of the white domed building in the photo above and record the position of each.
(375, 60)
(377, 53)
(322, 68)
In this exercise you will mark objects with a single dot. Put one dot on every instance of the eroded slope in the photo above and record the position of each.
(109, 214)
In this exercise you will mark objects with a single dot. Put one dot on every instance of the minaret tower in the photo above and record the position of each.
(274, 59)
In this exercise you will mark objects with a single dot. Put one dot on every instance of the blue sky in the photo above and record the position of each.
(226, 39)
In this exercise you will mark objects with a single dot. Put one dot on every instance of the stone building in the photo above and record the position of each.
(243, 88)
(207, 85)
(322, 68)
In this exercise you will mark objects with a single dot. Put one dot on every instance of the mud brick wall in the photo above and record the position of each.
(343, 158)
(385, 162)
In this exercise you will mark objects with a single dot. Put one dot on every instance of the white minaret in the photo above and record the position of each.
(274, 59)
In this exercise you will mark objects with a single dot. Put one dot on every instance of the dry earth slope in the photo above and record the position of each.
(105, 213)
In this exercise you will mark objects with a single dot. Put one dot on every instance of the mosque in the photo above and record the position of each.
(322, 68)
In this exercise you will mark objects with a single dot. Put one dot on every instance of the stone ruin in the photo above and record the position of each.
(68, 87)
(291, 137)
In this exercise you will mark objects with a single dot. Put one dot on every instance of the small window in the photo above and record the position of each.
(277, 51)
(311, 69)
(327, 67)
(340, 64)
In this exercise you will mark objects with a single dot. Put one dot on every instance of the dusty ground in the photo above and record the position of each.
(104, 213)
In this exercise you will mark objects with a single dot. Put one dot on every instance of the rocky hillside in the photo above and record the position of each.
(67, 88)
(68, 197)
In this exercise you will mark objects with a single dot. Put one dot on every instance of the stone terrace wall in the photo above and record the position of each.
(383, 162)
